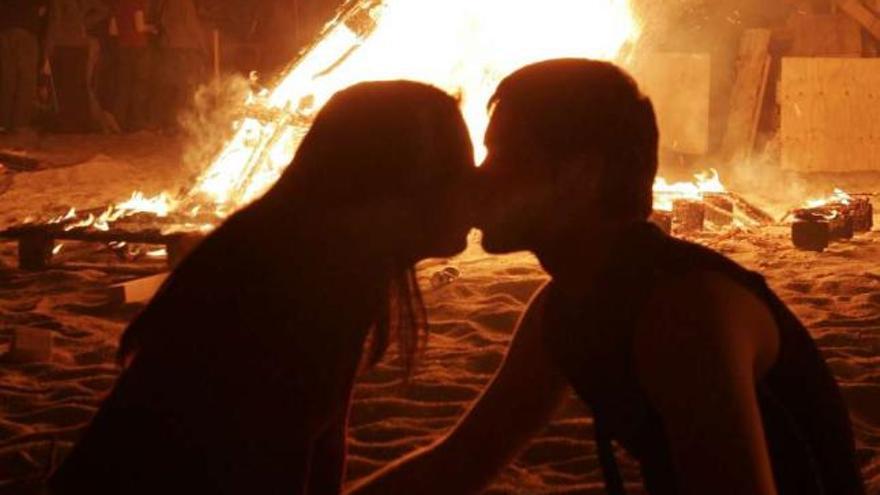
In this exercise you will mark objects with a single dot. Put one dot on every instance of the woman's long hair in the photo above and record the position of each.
(375, 141)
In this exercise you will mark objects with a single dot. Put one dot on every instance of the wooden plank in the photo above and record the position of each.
(746, 96)
(822, 35)
(139, 290)
(87, 234)
(756, 118)
(683, 116)
(863, 15)
(829, 115)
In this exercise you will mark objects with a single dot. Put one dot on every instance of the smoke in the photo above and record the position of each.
(210, 122)
(768, 186)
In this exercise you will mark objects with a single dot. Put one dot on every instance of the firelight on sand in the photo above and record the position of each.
(464, 47)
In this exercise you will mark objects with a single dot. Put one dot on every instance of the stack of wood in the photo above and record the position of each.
(815, 228)
(715, 210)
(688, 215)
(37, 242)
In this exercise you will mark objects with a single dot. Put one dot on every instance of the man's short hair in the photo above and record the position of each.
(580, 107)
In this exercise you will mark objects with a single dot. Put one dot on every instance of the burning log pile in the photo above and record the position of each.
(689, 207)
(152, 227)
(838, 217)
(393, 39)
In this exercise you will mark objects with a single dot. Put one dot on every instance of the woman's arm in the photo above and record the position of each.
(516, 405)
(699, 353)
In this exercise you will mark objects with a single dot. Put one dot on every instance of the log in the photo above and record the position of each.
(861, 211)
(810, 236)
(688, 215)
(139, 290)
(719, 209)
(815, 228)
(751, 211)
(36, 242)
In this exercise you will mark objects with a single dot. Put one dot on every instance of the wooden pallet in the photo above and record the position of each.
(36, 243)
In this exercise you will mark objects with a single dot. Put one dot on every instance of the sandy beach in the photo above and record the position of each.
(46, 405)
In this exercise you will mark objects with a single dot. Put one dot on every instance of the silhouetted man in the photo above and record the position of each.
(687, 360)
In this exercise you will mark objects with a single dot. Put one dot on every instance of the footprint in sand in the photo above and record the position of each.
(799, 286)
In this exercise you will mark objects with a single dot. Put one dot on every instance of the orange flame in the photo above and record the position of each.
(703, 183)
(839, 197)
(464, 47)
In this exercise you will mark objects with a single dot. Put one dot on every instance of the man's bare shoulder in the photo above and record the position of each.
(704, 320)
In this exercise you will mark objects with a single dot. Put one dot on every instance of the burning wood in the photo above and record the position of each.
(822, 221)
(458, 48)
(688, 215)
(682, 203)
(719, 208)
(705, 201)
(136, 221)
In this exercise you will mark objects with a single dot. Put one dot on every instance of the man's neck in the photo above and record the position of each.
(577, 255)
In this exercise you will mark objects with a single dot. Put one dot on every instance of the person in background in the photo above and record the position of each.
(96, 16)
(21, 24)
(129, 25)
(71, 54)
(183, 56)
(104, 79)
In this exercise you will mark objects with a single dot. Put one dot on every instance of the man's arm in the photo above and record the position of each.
(517, 404)
(328, 458)
(702, 347)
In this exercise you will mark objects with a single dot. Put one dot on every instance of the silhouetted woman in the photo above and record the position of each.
(241, 368)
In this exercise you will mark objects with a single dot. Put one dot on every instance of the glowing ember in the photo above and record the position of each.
(839, 197)
(86, 222)
(462, 46)
(70, 215)
(157, 253)
(159, 205)
(703, 183)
